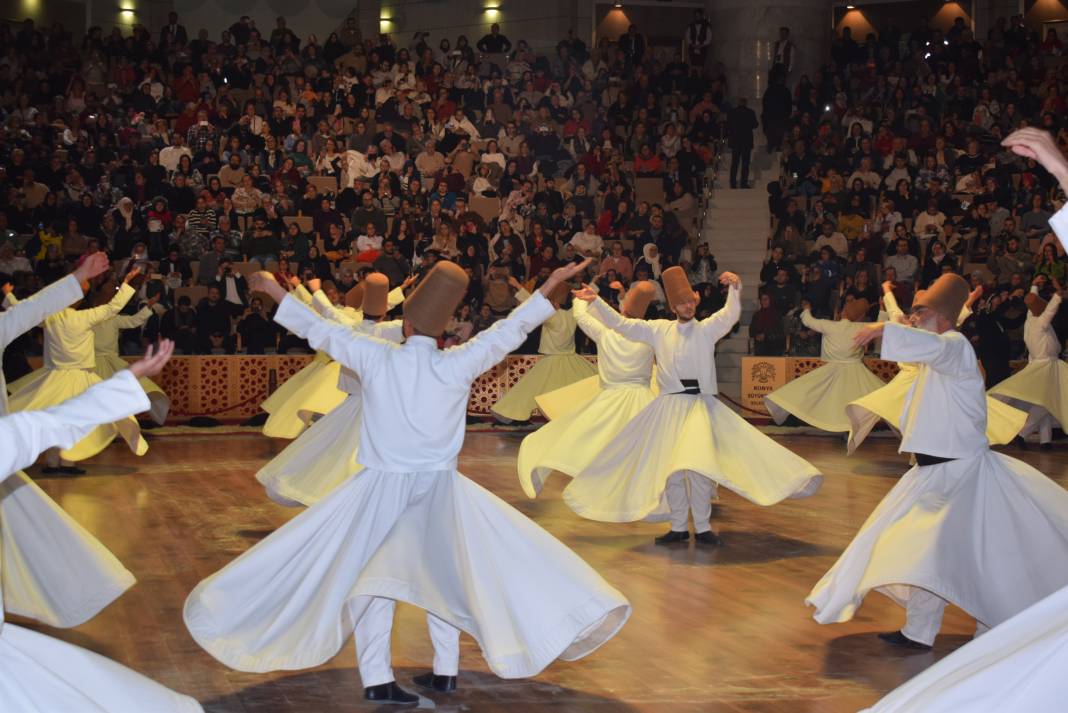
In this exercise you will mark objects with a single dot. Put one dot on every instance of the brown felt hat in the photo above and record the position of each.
(429, 308)
(638, 299)
(1036, 304)
(856, 310)
(375, 295)
(676, 286)
(946, 296)
(354, 297)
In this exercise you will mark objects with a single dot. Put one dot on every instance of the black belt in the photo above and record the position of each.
(923, 459)
(689, 386)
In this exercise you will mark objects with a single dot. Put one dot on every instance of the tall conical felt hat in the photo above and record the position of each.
(1036, 304)
(354, 297)
(676, 286)
(946, 296)
(375, 295)
(856, 310)
(429, 308)
(638, 298)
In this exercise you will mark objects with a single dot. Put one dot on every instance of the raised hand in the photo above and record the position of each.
(152, 362)
(1039, 145)
(409, 281)
(294, 282)
(586, 294)
(132, 274)
(7, 288)
(974, 295)
(315, 284)
(888, 287)
(92, 266)
(263, 281)
(868, 334)
(616, 285)
(729, 278)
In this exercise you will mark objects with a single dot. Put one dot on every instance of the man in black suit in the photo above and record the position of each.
(172, 33)
(232, 287)
(741, 122)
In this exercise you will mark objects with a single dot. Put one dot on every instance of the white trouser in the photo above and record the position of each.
(689, 492)
(1041, 420)
(372, 636)
(923, 616)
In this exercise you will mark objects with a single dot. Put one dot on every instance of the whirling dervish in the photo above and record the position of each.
(887, 404)
(670, 458)
(819, 398)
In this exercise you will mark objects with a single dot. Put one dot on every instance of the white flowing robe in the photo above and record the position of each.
(1042, 385)
(619, 392)
(409, 527)
(684, 432)
(983, 531)
(820, 397)
(39, 674)
(109, 362)
(327, 454)
(69, 362)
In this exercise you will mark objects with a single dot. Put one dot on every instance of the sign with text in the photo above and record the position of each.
(761, 376)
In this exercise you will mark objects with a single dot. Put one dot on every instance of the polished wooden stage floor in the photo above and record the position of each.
(720, 630)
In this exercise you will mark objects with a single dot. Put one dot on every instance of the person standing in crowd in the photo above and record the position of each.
(741, 123)
(698, 38)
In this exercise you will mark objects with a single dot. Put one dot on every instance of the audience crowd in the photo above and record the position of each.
(204, 157)
(893, 172)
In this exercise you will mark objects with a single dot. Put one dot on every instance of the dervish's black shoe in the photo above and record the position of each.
(389, 693)
(1019, 442)
(71, 470)
(432, 682)
(1046, 446)
(709, 539)
(898, 639)
(672, 537)
(51, 470)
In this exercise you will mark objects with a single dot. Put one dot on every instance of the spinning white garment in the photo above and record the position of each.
(310, 392)
(68, 371)
(820, 397)
(888, 403)
(324, 456)
(408, 527)
(571, 442)
(1016, 666)
(39, 674)
(108, 361)
(983, 531)
(684, 432)
(1003, 422)
(559, 366)
(52, 569)
(1041, 387)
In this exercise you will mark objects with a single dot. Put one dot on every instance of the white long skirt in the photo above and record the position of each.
(319, 460)
(820, 397)
(39, 674)
(549, 373)
(107, 365)
(570, 443)
(52, 570)
(1016, 666)
(680, 432)
(560, 402)
(433, 539)
(310, 392)
(987, 533)
(1003, 422)
(1041, 383)
(54, 386)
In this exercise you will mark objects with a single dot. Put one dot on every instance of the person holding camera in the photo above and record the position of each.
(232, 287)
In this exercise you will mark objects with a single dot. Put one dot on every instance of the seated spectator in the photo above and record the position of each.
(1010, 259)
(369, 243)
(905, 265)
(937, 262)
(831, 238)
(180, 325)
(767, 329)
(588, 243)
(257, 330)
(392, 264)
(213, 322)
(231, 286)
(261, 243)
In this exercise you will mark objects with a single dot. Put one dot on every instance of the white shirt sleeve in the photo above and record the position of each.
(1059, 223)
(488, 347)
(27, 434)
(638, 330)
